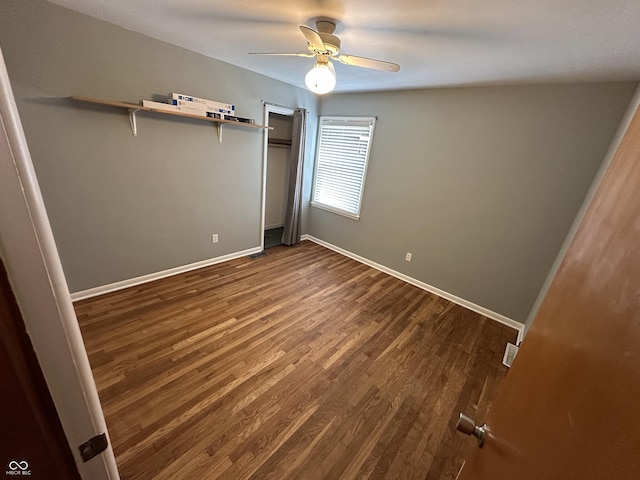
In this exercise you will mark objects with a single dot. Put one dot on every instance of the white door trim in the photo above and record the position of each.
(29, 252)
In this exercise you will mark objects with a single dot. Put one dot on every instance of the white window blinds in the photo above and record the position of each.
(341, 163)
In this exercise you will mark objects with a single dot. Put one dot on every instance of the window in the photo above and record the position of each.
(341, 163)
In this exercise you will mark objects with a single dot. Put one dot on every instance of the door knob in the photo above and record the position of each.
(467, 425)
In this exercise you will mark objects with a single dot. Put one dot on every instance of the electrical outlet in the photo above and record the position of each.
(214, 238)
(408, 256)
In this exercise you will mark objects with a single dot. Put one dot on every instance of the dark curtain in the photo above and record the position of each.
(291, 233)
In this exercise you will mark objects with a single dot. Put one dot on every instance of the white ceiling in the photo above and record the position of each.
(436, 43)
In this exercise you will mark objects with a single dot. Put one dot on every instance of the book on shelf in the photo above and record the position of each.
(204, 103)
(202, 107)
(233, 118)
(173, 108)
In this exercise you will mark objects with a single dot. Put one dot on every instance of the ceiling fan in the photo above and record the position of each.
(325, 47)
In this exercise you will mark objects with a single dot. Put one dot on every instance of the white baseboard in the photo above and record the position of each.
(112, 287)
(519, 327)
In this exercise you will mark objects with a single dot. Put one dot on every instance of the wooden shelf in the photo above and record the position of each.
(133, 109)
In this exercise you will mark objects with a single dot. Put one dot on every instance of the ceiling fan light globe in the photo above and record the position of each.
(321, 78)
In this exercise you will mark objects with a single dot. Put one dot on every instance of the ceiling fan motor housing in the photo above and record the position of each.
(325, 30)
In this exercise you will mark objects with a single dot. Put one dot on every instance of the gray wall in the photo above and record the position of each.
(624, 124)
(480, 184)
(123, 206)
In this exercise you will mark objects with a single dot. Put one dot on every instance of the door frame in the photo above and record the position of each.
(268, 108)
(28, 249)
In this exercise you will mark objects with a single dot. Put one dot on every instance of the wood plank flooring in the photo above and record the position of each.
(302, 364)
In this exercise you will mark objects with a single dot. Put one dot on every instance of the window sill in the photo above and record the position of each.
(337, 211)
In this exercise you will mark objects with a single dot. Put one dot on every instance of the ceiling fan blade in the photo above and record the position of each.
(368, 63)
(305, 55)
(313, 38)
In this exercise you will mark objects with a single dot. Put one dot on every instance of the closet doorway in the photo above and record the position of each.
(277, 170)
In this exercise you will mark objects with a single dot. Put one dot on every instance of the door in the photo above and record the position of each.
(32, 419)
(570, 405)
(29, 253)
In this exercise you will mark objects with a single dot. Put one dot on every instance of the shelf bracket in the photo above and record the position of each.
(219, 127)
(132, 121)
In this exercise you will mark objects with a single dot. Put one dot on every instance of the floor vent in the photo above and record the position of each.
(509, 354)
(258, 255)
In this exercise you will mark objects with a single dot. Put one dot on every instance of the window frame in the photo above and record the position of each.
(330, 208)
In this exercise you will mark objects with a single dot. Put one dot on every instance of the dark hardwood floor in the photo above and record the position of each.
(301, 364)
